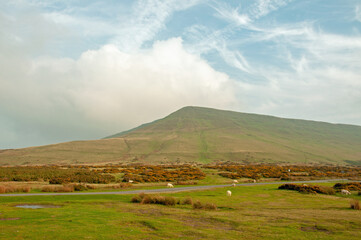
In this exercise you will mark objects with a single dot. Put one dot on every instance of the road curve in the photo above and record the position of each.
(164, 190)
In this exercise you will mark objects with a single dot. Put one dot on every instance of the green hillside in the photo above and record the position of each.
(195, 134)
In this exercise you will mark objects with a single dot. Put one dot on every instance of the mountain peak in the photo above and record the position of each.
(200, 134)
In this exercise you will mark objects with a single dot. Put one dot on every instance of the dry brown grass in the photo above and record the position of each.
(65, 188)
(121, 185)
(12, 189)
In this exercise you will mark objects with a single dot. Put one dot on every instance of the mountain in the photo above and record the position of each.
(197, 134)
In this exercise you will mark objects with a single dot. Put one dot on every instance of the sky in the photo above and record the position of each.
(78, 70)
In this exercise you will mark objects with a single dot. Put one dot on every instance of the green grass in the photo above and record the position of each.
(195, 134)
(257, 212)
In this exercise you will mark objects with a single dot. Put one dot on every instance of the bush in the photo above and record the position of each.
(197, 205)
(48, 189)
(89, 186)
(169, 201)
(25, 189)
(359, 193)
(308, 189)
(136, 199)
(11, 189)
(148, 199)
(66, 188)
(355, 204)
(207, 206)
(351, 186)
(79, 187)
(187, 201)
(210, 206)
(122, 185)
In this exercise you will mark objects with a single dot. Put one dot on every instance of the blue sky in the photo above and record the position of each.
(75, 70)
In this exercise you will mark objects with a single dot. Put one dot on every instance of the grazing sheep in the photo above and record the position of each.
(170, 185)
(305, 185)
(131, 181)
(235, 181)
(229, 193)
(233, 184)
(254, 180)
(345, 192)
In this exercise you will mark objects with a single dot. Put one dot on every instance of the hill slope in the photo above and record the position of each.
(196, 134)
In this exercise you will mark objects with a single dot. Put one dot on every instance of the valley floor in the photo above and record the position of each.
(252, 212)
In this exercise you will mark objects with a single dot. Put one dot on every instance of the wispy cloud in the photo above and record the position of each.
(230, 14)
(358, 13)
(262, 8)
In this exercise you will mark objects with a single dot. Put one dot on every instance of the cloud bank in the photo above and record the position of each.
(107, 89)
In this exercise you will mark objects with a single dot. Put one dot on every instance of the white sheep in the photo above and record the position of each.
(170, 185)
(233, 184)
(254, 180)
(345, 192)
(131, 181)
(305, 185)
(235, 181)
(229, 193)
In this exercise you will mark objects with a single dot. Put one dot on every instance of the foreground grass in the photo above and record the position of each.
(257, 212)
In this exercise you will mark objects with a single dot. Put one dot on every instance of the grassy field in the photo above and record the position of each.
(204, 135)
(257, 212)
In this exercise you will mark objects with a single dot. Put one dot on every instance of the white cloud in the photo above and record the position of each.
(109, 89)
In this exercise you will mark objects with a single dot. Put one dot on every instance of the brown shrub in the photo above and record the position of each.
(351, 186)
(2, 189)
(125, 185)
(210, 206)
(359, 193)
(89, 186)
(79, 187)
(65, 188)
(122, 185)
(10, 189)
(142, 195)
(187, 201)
(48, 189)
(206, 206)
(136, 199)
(327, 190)
(197, 205)
(147, 199)
(355, 204)
(26, 189)
(169, 201)
(308, 189)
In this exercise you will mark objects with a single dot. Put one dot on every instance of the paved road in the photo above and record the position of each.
(164, 190)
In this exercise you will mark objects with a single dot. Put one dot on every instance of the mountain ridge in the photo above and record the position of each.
(203, 135)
